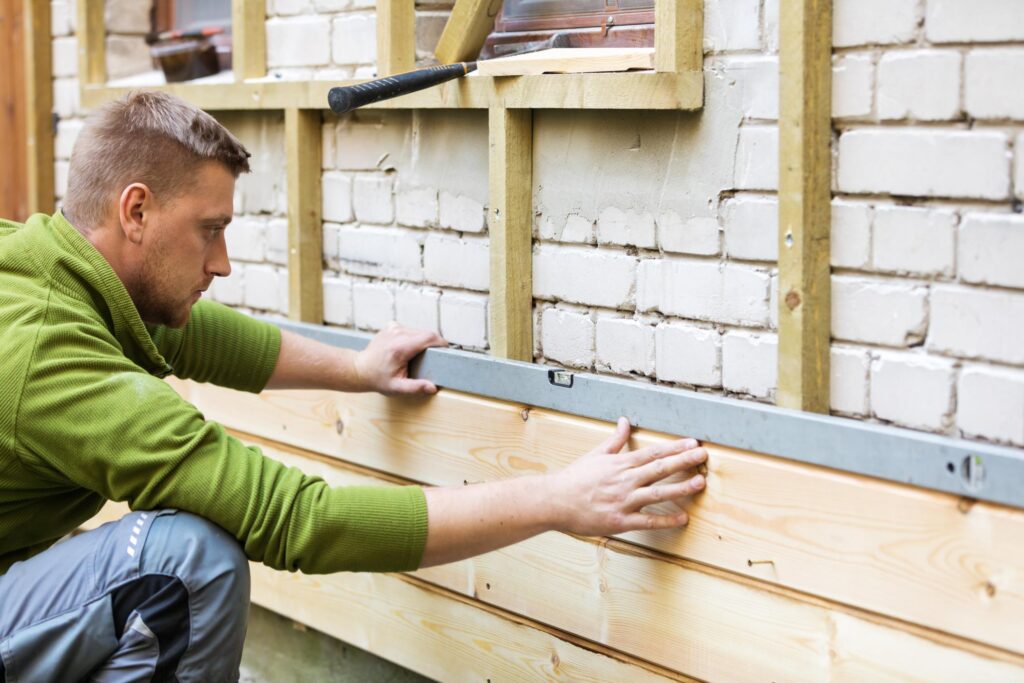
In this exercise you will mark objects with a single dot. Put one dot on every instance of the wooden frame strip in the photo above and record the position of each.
(249, 40)
(805, 172)
(510, 226)
(91, 31)
(678, 35)
(303, 132)
(39, 107)
(466, 30)
(396, 36)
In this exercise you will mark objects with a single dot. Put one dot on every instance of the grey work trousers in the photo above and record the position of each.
(155, 596)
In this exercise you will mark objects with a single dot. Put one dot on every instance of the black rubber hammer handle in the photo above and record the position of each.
(349, 97)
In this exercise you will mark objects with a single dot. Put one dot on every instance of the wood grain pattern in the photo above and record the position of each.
(92, 49)
(14, 203)
(249, 38)
(569, 61)
(303, 130)
(396, 36)
(38, 85)
(679, 35)
(924, 557)
(805, 194)
(466, 30)
(510, 225)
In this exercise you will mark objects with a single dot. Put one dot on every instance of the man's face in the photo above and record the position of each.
(184, 248)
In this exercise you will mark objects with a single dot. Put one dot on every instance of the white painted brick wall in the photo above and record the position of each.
(277, 241)
(751, 228)
(994, 82)
(848, 386)
(60, 178)
(878, 312)
(853, 86)
(66, 102)
(912, 390)
(336, 197)
(230, 290)
(991, 249)
(851, 234)
(418, 308)
(416, 208)
(246, 238)
(915, 241)
(688, 354)
(373, 305)
(461, 213)
(367, 141)
(450, 261)
(695, 235)
(354, 39)
(575, 228)
(921, 84)
(67, 135)
(757, 80)
(464, 319)
(337, 301)
(974, 323)
(125, 16)
(373, 198)
(629, 227)
(298, 41)
(126, 56)
(625, 345)
(331, 236)
(925, 163)
(567, 337)
(749, 363)
(990, 404)
(961, 21)
(585, 276)
(61, 18)
(65, 56)
(381, 252)
(757, 158)
(704, 290)
(873, 22)
(1018, 168)
(731, 25)
(266, 288)
(290, 7)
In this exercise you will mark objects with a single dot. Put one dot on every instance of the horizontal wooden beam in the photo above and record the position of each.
(896, 550)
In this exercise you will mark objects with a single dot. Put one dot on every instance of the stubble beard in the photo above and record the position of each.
(154, 302)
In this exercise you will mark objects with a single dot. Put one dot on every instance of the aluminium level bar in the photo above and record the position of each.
(976, 470)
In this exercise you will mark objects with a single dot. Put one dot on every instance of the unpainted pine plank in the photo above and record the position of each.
(92, 49)
(249, 39)
(570, 60)
(805, 172)
(925, 557)
(510, 227)
(303, 131)
(396, 36)
(466, 30)
(38, 84)
(679, 35)
(14, 202)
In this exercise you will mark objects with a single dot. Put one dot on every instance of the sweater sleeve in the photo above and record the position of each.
(221, 346)
(91, 417)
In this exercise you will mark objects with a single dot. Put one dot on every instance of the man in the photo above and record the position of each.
(99, 303)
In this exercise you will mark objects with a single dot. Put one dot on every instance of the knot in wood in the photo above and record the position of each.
(792, 299)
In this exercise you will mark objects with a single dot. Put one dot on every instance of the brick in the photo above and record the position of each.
(331, 236)
(568, 337)
(625, 346)
(771, 25)
(464, 319)
(584, 276)
(750, 363)
(731, 25)
(266, 288)
(914, 241)
(924, 163)
(327, 6)
(230, 290)
(454, 262)
(615, 226)
(992, 80)
(246, 238)
(757, 158)
(851, 235)
(373, 305)
(1018, 167)
(574, 228)
(694, 235)
(60, 178)
(877, 312)
(373, 199)
(298, 41)
(751, 228)
(990, 404)
(418, 308)
(920, 84)
(292, 7)
(958, 21)
(991, 249)
(61, 19)
(773, 301)
(429, 27)
(688, 354)
(336, 202)
(371, 140)
(873, 22)
(757, 79)
(416, 208)
(704, 290)
(853, 86)
(65, 56)
(848, 385)
(127, 56)
(355, 39)
(126, 16)
(66, 103)
(67, 135)
(461, 213)
(381, 252)
(974, 323)
(277, 241)
(912, 390)
(337, 301)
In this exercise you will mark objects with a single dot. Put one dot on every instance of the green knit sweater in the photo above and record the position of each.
(85, 417)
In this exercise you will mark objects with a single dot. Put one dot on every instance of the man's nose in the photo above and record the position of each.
(218, 264)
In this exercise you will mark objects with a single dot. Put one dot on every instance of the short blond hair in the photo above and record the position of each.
(146, 137)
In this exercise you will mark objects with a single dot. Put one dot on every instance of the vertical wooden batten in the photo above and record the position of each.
(92, 48)
(466, 30)
(510, 223)
(39, 104)
(249, 39)
(396, 36)
(805, 132)
(678, 35)
(303, 130)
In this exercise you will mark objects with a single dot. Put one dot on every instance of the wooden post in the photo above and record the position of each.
(510, 223)
(396, 36)
(249, 39)
(92, 39)
(678, 35)
(466, 30)
(302, 129)
(805, 133)
(39, 106)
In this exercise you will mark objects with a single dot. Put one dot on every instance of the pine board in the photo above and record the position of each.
(570, 60)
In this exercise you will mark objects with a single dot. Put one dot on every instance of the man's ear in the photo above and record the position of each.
(134, 208)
